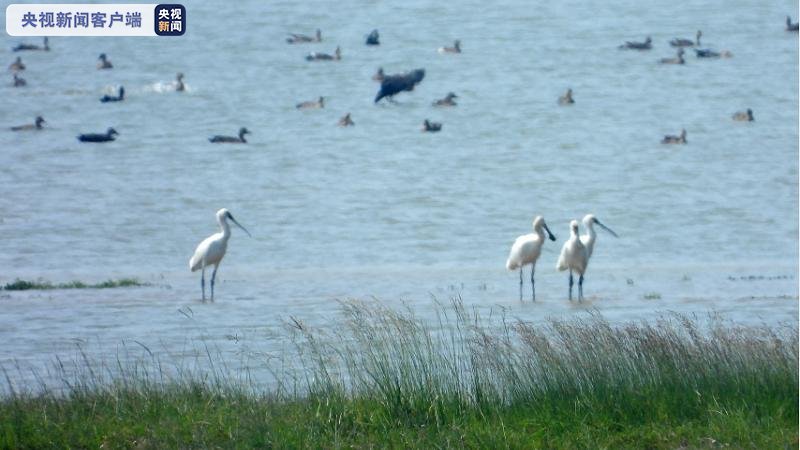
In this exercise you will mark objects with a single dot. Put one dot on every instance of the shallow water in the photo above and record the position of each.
(381, 209)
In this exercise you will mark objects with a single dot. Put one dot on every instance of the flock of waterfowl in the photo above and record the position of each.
(526, 249)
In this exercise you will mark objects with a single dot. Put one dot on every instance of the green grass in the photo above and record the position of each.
(24, 285)
(385, 378)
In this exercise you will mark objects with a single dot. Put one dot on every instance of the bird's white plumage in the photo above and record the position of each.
(573, 254)
(527, 248)
(211, 251)
(590, 236)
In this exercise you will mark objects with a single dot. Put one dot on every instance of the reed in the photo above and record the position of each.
(385, 377)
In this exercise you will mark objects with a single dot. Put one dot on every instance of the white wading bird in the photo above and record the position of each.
(574, 257)
(526, 250)
(588, 239)
(212, 250)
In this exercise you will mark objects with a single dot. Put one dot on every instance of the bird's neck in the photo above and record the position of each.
(225, 229)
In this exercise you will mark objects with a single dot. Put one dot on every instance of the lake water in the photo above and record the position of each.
(381, 209)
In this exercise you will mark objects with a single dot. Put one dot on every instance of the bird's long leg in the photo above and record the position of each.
(520, 283)
(203, 282)
(570, 285)
(580, 288)
(213, 277)
(533, 285)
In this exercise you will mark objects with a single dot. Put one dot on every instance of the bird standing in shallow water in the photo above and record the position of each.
(791, 26)
(575, 258)
(211, 251)
(526, 250)
(179, 86)
(590, 237)
(373, 38)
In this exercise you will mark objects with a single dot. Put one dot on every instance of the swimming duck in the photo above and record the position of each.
(431, 126)
(346, 121)
(566, 99)
(99, 137)
(103, 62)
(179, 86)
(30, 126)
(378, 75)
(394, 84)
(302, 38)
(669, 139)
(373, 38)
(318, 104)
(708, 53)
(19, 82)
(632, 45)
(744, 116)
(230, 139)
(791, 26)
(24, 47)
(17, 65)
(456, 48)
(317, 56)
(677, 42)
(111, 98)
(677, 60)
(447, 100)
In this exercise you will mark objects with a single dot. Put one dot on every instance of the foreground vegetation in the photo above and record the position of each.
(24, 285)
(385, 378)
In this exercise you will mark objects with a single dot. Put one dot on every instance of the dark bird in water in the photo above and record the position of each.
(346, 121)
(99, 137)
(32, 47)
(631, 45)
(230, 139)
(566, 99)
(317, 104)
(791, 26)
(302, 38)
(708, 53)
(676, 60)
(17, 65)
(456, 48)
(669, 139)
(30, 126)
(744, 116)
(19, 82)
(447, 100)
(432, 127)
(179, 86)
(103, 62)
(378, 75)
(112, 98)
(317, 56)
(373, 38)
(677, 42)
(394, 84)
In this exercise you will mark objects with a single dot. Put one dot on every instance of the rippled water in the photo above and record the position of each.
(381, 209)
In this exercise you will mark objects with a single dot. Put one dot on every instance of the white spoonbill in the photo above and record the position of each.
(212, 250)
(526, 250)
(588, 239)
(574, 257)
